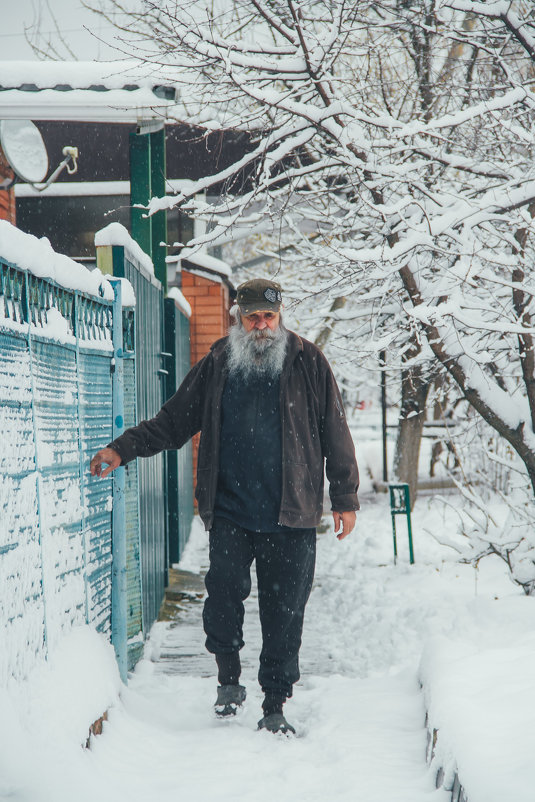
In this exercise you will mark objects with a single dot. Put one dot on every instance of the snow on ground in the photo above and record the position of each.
(480, 691)
(358, 708)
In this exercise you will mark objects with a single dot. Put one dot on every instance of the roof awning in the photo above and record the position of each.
(118, 91)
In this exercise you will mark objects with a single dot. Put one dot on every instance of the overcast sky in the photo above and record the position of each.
(44, 20)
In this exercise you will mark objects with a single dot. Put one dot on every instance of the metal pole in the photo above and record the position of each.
(119, 634)
(159, 219)
(409, 527)
(140, 190)
(393, 515)
(382, 357)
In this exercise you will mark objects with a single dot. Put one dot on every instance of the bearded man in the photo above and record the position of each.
(270, 416)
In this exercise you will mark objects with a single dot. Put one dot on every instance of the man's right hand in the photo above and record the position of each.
(107, 455)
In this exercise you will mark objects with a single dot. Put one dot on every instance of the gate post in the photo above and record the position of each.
(148, 179)
(119, 635)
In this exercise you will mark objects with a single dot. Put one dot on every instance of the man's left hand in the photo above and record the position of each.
(344, 521)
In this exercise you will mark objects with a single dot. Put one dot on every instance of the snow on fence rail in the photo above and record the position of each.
(55, 410)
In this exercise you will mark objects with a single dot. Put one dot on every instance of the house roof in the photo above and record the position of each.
(114, 91)
(200, 261)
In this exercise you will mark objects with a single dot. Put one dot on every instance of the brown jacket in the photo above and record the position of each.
(313, 423)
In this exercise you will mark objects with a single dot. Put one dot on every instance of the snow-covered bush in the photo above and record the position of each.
(497, 514)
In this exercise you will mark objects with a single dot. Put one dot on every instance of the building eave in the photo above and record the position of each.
(122, 91)
(83, 105)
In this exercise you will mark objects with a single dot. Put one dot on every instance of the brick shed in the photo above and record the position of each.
(209, 297)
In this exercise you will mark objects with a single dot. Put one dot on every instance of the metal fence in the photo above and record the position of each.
(55, 409)
(66, 556)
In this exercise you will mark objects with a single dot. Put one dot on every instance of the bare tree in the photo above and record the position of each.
(394, 140)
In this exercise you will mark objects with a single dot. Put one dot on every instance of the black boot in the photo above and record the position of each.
(273, 719)
(229, 699)
(275, 723)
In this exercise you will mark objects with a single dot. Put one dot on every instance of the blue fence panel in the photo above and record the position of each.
(54, 376)
(133, 543)
(22, 626)
(94, 323)
(55, 410)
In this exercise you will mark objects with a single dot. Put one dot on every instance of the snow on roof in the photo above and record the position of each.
(38, 256)
(99, 76)
(103, 91)
(180, 301)
(116, 234)
(120, 90)
(202, 259)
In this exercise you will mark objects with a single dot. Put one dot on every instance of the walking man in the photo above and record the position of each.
(271, 417)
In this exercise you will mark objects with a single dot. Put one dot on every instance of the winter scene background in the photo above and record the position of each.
(388, 185)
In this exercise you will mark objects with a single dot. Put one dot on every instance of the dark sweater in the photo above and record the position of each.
(250, 455)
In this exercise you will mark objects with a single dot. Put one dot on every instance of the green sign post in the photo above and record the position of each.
(400, 505)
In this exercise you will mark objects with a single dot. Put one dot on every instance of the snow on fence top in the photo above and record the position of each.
(116, 234)
(39, 258)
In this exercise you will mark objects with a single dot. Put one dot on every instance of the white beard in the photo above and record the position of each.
(256, 353)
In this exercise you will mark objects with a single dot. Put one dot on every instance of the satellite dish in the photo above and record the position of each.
(24, 149)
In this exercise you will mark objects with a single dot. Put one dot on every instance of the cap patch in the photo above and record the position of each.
(270, 295)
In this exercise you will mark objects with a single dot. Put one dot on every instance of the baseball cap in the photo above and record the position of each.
(259, 295)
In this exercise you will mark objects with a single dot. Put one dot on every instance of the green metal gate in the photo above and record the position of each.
(149, 394)
(179, 463)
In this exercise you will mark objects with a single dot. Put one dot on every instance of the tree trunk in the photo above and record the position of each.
(326, 331)
(414, 392)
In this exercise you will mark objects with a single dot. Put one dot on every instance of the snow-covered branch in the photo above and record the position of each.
(393, 146)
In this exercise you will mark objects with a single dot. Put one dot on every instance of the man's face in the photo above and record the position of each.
(257, 345)
(260, 321)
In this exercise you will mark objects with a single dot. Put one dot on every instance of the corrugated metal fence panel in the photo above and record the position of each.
(54, 530)
(95, 402)
(94, 340)
(179, 464)
(21, 600)
(149, 397)
(133, 553)
(54, 372)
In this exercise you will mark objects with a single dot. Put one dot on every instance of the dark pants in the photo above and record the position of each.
(285, 570)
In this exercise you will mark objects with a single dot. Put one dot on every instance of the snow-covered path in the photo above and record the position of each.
(358, 707)
(360, 740)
